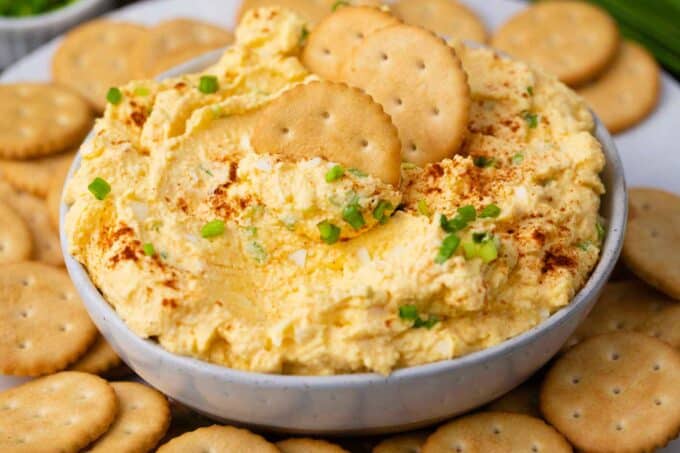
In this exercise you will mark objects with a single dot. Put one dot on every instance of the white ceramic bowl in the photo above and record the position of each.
(18, 36)
(359, 403)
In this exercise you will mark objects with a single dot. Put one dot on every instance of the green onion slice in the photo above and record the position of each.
(447, 249)
(381, 213)
(408, 312)
(99, 188)
(531, 119)
(491, 211)
(336, 172)
(423, 209)
(114, 96)
(352, 215)
(208, 84)
(148, 249)
(212, 229)
(329, 233)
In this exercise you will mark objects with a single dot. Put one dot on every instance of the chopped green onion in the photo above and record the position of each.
(490, 211)
(329, 233)
(208, 84)
(148, 249)
(600, 230)
(488, 251)
(303, 35)
(466, 214)
(530, 90)
(142, 91)
(584, 246)
(358, 173)
(338, 4)
(212, 229)
(447, 249)
(517, 158)
(428, 323)
(480, 237)
(379, 211)
(423, 209)
(483, 161)
(352, 215)
(408, 312)
(531, 119)
(114, 96)
(99, 188)
(483, 247)
(336, 172)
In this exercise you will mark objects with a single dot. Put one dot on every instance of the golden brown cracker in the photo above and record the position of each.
(403, 443)
(333, 121)
(449, 19)
(96, 56)
(306, 445)
(628, 90)
(99, 359)
(40, 119)
(571, 39)
(664, 325)
(420, 83)
(142, 419)
(523, 399)
(16, 243)
(33, 210)
(34, 175)
(331, 43)
(63, 412)
(496, 432)
(310, 10)
(651, 247)
(219, 438)
(603, 393)
(171, 37)
(623, 305)
(173, 59)
(45, 325)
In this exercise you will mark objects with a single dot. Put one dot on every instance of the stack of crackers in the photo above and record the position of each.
(614, 387)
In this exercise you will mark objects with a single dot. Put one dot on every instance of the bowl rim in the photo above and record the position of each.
(609, 253)
(65, 13)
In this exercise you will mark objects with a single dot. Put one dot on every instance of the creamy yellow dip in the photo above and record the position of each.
(267, 294)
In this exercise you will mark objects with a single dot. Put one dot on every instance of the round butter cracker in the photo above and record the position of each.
(34, 175)
(651, 248)
(623, 305)
(310, 10)
(628, 90)
(571, 39)
(15, 237)
(305, 445)
(153, 54)
(63, 412)
(403, 443)
(40, 119)
(218, 438)
(142, 420)
(617, 392)
(449, 19)
(664, 325)
(33, 210)
(333, 121)
(330, 45)
(99, 359)
(96, 56)
(496, 432)
(45, 325)
(419, 81)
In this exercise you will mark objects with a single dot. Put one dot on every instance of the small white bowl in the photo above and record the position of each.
(358, 403)
(18, 36)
